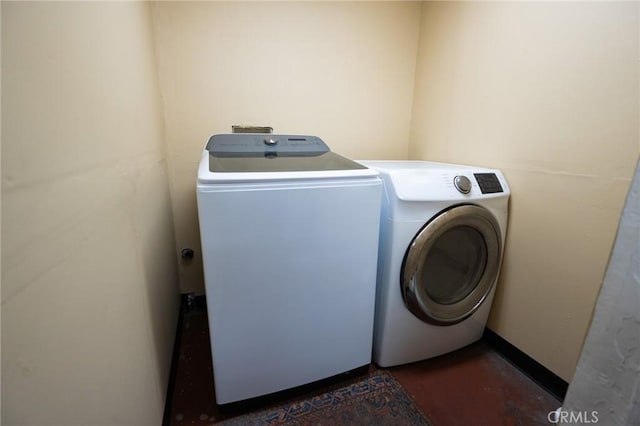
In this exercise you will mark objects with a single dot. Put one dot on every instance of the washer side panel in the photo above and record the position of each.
(290, 283)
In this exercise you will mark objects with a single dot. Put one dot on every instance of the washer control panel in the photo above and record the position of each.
(488, 183)
(242, 145)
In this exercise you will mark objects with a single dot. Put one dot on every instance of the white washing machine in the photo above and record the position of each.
(442, 236)
(289, 236)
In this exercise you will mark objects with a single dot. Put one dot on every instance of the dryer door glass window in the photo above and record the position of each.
(451, 265)
(455, 265)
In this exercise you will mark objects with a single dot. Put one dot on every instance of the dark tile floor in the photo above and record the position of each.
(472, 386)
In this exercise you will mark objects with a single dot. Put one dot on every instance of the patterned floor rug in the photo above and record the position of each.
(377, 399)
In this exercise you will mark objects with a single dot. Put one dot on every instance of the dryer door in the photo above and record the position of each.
(451, 265)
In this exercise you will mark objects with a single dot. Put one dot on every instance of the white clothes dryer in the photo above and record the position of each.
(289, 236)
(442, 237)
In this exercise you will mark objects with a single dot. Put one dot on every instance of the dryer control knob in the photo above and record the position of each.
(462, 184)
(270, 141)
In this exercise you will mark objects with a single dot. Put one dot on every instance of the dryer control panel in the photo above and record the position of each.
(488, 183)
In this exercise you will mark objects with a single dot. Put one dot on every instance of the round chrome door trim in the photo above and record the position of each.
(415, 295)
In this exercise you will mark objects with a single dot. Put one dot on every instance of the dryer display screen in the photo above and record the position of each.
(488, 182)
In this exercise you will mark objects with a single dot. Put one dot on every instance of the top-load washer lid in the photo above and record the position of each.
(230, 158)
(247, 153)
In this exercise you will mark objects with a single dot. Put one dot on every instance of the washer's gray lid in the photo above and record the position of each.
(244, 153)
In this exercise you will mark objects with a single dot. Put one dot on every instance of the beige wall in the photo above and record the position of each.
(342, 71)
(548, 92)
(89, 294)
